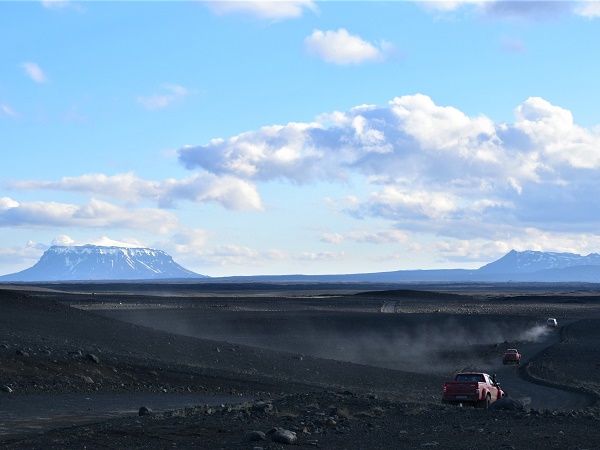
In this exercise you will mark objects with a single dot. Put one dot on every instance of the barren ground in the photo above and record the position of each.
(344, 366)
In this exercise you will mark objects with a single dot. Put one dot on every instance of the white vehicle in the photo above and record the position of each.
(551, 322)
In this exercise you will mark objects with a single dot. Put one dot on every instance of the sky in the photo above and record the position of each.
(313, 137)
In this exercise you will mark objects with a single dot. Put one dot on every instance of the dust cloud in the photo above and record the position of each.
(409, 342)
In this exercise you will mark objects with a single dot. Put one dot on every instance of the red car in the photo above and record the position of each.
(478, 389)
(511, 355)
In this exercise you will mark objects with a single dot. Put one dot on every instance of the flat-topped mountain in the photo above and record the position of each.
(96, 262)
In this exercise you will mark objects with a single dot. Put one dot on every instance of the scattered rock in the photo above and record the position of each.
(144, 411)
(21, 353)
(93, 358)
(6, 389)
(253, 436)
(283, 436)
(261, 406)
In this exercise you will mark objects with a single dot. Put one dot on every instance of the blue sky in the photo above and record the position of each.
(300, 137)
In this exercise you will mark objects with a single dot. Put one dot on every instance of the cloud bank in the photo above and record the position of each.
(431, 168)
(230, 192)
(94, 214)
(473, 186)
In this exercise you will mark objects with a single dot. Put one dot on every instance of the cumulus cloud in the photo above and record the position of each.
(229, 192)
(63, 240)
(95, 214)
(173, 93)
(554, 136)
(272, 152)
(269, 10)
(34, 72)
(431, 168)
(341, 47)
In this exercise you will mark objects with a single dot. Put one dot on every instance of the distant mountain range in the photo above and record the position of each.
(95, 262)
(106, 263)
(526, 266)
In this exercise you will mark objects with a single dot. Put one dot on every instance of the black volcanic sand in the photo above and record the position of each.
(329, 364)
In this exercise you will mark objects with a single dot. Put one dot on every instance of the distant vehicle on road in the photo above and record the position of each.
(511, 355)
(551, 322)
(476, 388)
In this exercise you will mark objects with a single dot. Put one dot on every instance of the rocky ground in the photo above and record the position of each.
(308, 369)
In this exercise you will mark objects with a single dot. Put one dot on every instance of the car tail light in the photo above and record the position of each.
(445, 387)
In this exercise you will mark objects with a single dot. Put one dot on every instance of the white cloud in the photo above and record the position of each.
(95, 214)
(526, 239)
(104, 241)
(340, 47)
(332, 238)
(589, 9)
(229, 192)
(431, 167)
(446, 5)
(554, 135)
(34, 72)
(395, 204)
(272, 152)
(379, 237)
(159, 101)
(234, 255)
(55, 4)
(16, 258)
(321, 256)
(63, 240)
(188, 241)
(269, 9)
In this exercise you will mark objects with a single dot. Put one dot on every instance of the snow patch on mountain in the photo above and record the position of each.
(530, 261)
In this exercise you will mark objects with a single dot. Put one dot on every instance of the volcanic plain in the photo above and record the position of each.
(283, 365)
